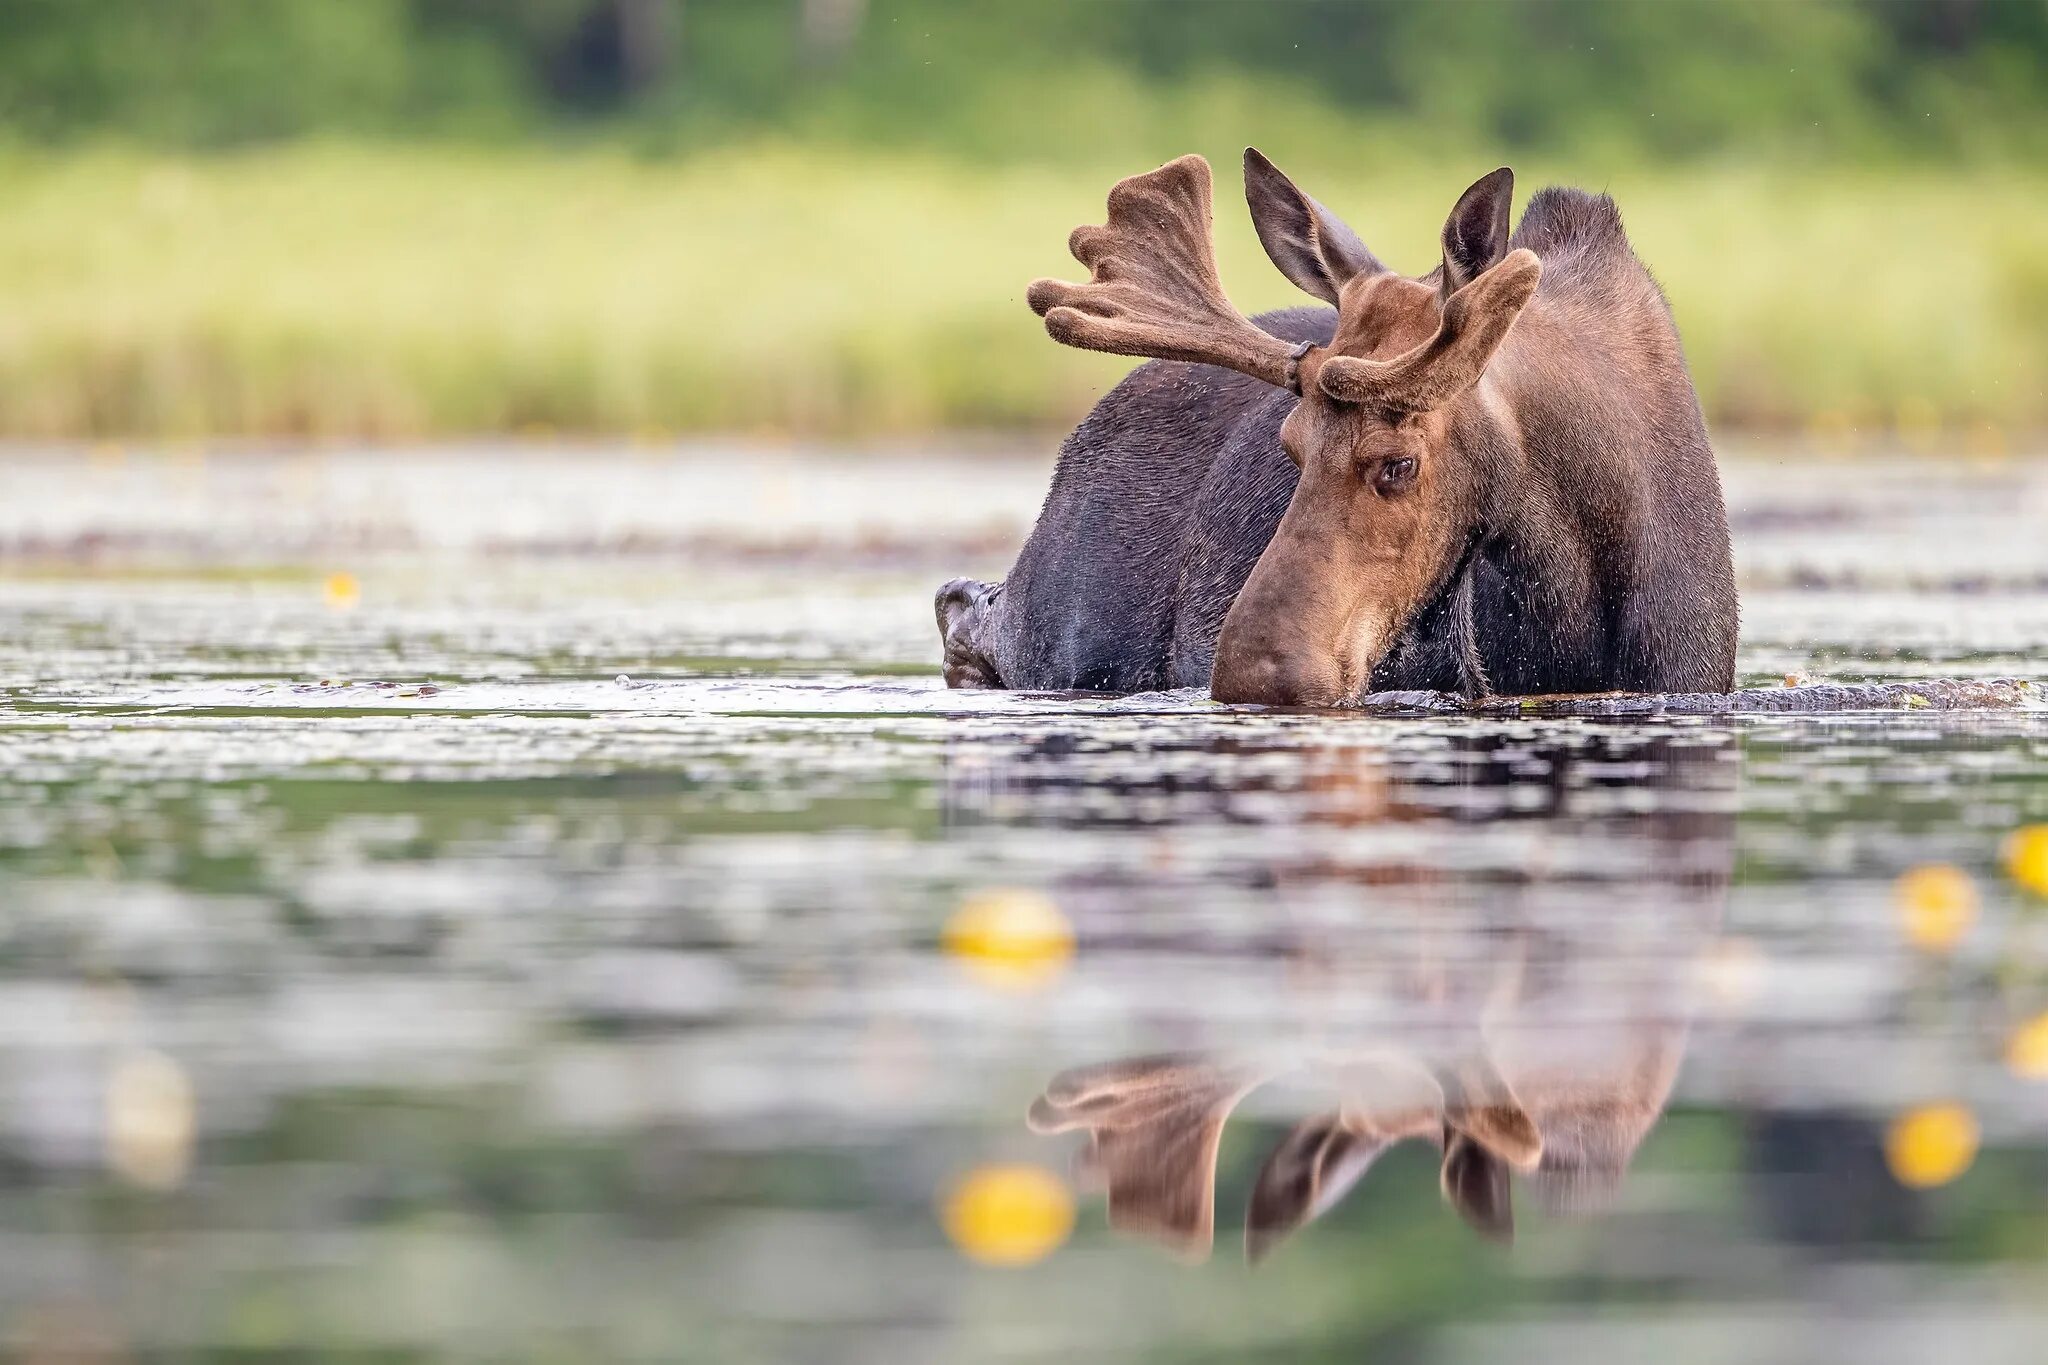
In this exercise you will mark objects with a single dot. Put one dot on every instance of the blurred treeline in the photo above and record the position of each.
(395, 217)
(1662, 78)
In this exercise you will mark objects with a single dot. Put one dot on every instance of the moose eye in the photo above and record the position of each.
(1395, 475)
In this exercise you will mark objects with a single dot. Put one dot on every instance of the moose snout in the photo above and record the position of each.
(1271, 674)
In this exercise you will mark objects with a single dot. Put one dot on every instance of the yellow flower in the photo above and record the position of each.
(341, 592)
(1008, 1215)
(2026, 1052)
(2026, 858)
(1937, 905)
(1010, 938)
(1931, 1145)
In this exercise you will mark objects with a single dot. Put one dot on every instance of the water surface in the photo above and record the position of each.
(496, 903)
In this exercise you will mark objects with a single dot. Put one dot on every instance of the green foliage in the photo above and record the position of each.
(348, 289)
(1051, 78)
(395, 216)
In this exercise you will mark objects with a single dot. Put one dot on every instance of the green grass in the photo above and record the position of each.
(381, 290)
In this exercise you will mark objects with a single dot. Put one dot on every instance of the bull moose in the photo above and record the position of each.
(1490, 479)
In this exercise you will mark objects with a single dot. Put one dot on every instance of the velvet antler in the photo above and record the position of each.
(1153, 289)
(1476, 320)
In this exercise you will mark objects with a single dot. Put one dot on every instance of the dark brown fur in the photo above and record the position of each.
(1488, 484)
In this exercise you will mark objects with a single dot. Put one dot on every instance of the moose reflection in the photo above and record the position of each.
(1565, 1103)
(1528, 1021)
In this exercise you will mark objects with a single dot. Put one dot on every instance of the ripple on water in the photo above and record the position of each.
(619, 1007)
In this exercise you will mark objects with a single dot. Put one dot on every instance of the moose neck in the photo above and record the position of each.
(1541, 518)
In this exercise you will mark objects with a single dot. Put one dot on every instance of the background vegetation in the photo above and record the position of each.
(388, 217)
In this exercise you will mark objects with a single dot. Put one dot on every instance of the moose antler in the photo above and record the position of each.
(1476, 320)
(1154, 1125)
(1153, 289)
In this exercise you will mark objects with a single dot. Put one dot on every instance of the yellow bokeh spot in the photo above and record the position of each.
(1931, 1145)
(150, 1118)
(2026, 858)
(1010, 938)
(1937, 905)
(2026, 1053)
(341, 591)
(1008, 1215)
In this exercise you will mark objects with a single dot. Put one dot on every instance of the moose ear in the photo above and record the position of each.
(1309, 244)
(1476, 233)
(1313, 1168)
(1154, 1125)
(1475, 322)
(1475, 1181)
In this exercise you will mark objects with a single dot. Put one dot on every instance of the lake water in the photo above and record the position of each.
(540, 903)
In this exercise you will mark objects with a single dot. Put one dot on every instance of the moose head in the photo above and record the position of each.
(1395, 421)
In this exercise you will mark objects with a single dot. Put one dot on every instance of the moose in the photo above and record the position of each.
(1492, 479)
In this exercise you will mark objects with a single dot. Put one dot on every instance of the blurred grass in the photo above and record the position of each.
(371, 289)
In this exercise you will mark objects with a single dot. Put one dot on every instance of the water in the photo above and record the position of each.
(541, 904)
